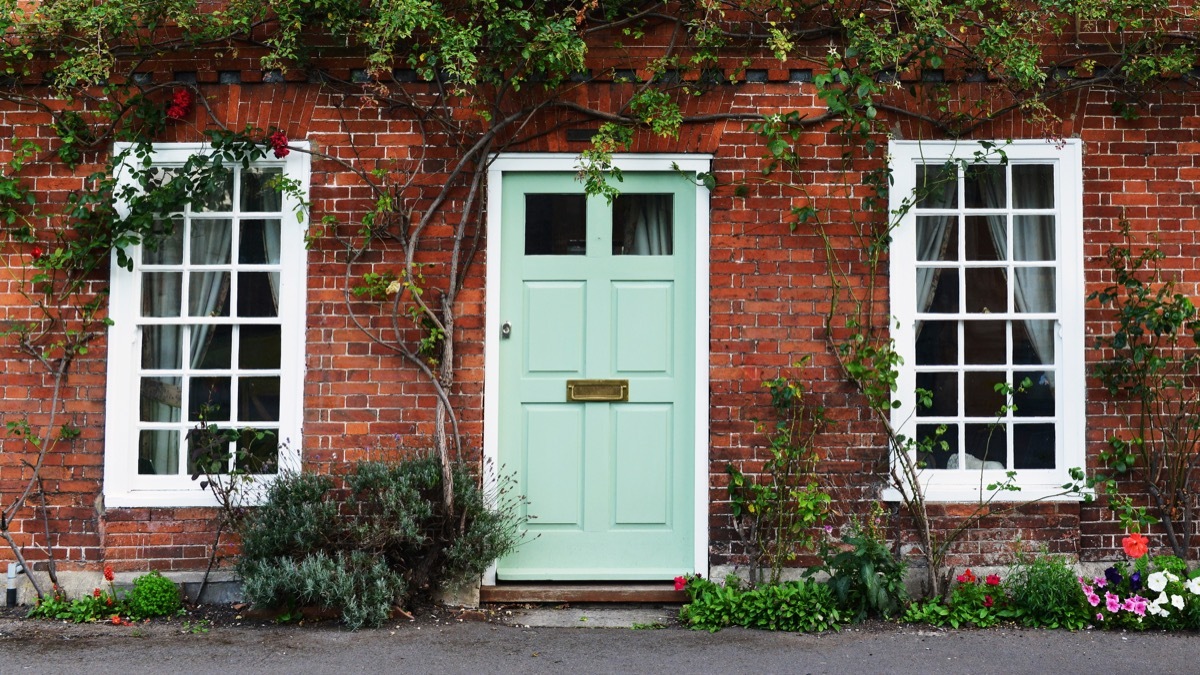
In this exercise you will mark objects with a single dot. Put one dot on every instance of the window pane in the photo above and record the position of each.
(1033, 342)
(1033, 186)
(257, 192)
(162, 293)
(937, 343)
(208, 451)
(212, 347)
(258, 347)
(944, 387)
(256, 294)
(211, 240)
(167, 247)
(937, 186)
(208, 294)
(985, 342)
(208, 399)
(161, 399)
(984, 187)
(1033, 238)
(1033, 446)
(937, 238)
(258, 452)
(986, 446)
(643, 224)
(259, 243)
(937, 290)
(158, 452)
(987, 238)
(555, 224)
(162, 347)
(1035, 289)
(220, 198)
(981, 397)
(987, 290)
(258, 399)
(1037, 398)
(937, 444)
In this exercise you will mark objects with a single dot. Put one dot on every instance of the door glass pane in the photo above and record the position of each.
(161, 293)
(555, 224)
(937, 343)
(643, 224)
(984, 186)
(937, 186)
(985, 342)
(1033, 186)
(258, 194)
(987, 290)
(259, 243)
(987, 238)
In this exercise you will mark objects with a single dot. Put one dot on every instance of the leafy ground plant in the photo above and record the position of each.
(1043, 592)
(971, 603)
(866, 577)
(798, 606)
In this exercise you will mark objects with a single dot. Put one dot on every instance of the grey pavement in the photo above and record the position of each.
(529, 645)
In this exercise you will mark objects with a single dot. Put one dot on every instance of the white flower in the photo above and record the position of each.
(1155, 609)
(1157, 582)
(1193, 585)
(394, 287)
(1177, 600)
(1171, 577)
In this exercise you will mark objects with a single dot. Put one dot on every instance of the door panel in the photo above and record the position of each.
(608, 483)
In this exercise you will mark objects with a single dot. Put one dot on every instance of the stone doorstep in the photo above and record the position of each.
(512, 592)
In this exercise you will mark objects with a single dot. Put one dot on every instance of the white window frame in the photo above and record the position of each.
(123, 486)
(966, 485)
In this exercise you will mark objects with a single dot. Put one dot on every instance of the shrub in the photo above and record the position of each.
(152, 595)
(867, 579)
(383, 538)
(1043, 592)
(798, 606)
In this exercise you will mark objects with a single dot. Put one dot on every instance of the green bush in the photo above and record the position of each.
(1043, 592)
(796, 606)
(152, 595)
(380, 539)
(867, 579)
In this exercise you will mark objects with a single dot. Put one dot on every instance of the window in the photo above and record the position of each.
(987, 289)
(208, 329)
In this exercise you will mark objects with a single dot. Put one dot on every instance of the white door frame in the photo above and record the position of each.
(563, 162)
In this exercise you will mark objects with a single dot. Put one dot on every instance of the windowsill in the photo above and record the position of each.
(129, 499)
(968, 494)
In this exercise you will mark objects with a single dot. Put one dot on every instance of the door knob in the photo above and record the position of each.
(506, 330)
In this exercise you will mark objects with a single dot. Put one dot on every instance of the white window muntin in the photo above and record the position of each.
(124, 484)
(1066, 369)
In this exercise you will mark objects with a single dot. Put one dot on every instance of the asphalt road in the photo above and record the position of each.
(491, 648)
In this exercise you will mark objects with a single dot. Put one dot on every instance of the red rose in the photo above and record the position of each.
(987, 601)
(966, 577)
(181, 104)
(37, 252)
(993, 580)
(680, 583)
(278, 142)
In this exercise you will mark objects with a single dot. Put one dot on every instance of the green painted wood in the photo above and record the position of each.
(609, 484)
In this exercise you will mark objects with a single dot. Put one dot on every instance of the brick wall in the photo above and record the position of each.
(769, 292)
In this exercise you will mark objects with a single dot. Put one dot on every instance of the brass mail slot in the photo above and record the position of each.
(597, 390)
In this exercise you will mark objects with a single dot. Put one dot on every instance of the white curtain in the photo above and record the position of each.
(647, 220)
(161, 348)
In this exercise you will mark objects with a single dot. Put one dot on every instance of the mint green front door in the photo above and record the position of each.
(594, 291)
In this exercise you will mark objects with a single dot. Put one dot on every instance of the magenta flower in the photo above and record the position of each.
(1093, 599)
(1099, 616)
(1100, 582)
(1113, 602)
(680, 583)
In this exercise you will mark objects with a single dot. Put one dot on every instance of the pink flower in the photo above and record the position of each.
(1136, 604)
(278, 142)
(1093, 599)
(1099, 616)
(680, 583)
(993, 580)
(1113, 602)
(1100, 581)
